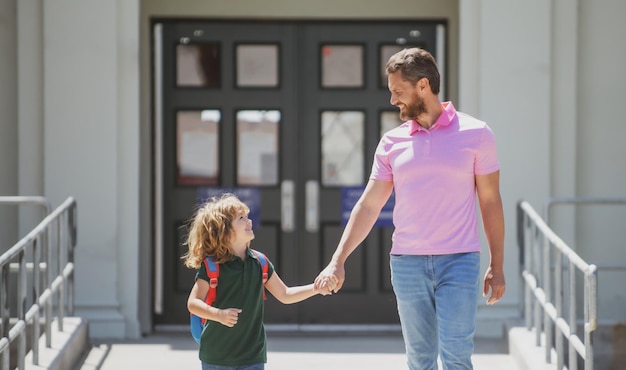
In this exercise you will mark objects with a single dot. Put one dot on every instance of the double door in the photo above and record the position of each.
(287, 115)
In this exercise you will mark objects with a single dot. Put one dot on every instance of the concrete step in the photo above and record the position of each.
(526, 353)
(67, 346)
(93, 358)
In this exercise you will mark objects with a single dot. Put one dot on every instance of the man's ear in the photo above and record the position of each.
(423, 84)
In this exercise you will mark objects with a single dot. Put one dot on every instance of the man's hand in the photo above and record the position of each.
(331, 278)
(494, 281)
(327, 285)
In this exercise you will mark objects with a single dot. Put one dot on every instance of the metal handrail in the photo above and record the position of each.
(579, 200)
(50, 246)
(20, 200)
(587, 201)
(538, 244)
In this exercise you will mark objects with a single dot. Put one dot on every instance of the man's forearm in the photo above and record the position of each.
(358, 227)
(493, 221)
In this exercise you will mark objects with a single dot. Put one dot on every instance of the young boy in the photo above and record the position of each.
(234, 337)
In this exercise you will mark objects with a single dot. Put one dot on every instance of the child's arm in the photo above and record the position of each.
(197, 306)
(288, 295)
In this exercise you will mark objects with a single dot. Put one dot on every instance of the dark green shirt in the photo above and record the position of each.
(239, 286)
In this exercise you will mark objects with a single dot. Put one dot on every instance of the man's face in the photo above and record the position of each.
(404, 95)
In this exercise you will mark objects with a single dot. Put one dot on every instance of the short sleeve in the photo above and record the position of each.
(201, 272)
(381, 168)
(487, 155)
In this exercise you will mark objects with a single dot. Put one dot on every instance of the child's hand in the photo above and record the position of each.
(229, 316)
(327, 285)
(337, 272)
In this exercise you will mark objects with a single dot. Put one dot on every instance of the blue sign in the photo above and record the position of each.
(250, 196)
(351, 194)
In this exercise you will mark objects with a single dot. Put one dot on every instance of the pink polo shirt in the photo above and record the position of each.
(433, 177)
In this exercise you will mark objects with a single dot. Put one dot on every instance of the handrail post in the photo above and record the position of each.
(71, 234)
(36, 328)
(47, 283)
(546, 283)
(537, 272)
(4, 312)
(591, 316)
(558, 292)
(60, 264)
(21, 308)
(528, 258)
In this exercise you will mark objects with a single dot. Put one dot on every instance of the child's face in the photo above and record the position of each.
(242, 228)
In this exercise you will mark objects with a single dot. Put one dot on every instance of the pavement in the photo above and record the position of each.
(292, 351)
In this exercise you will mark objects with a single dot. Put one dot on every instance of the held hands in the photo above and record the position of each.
(326, 285)
(495, 281)
(330, 279)
(229, 316)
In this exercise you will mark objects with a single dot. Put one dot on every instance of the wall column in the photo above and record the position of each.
(8, 121)
(81, 107)
(30, 108)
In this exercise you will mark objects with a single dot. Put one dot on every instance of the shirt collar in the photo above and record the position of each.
(446, 117)
(249, 253)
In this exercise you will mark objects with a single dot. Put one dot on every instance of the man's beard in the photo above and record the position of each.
(413, 110)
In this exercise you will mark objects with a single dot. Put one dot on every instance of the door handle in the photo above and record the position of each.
(312, 219)
(287, 198)
(158, 170)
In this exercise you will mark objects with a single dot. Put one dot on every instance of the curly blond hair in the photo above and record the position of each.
(210, 230)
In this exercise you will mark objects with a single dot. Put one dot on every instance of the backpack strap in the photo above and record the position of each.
(264, 266)
(213, 272)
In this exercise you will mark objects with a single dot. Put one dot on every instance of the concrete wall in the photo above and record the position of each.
(601, 168)
(512, 81)
(92, 151)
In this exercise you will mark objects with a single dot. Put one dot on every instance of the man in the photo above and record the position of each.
(437, 162)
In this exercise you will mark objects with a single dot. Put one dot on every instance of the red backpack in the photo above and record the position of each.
(213, 272)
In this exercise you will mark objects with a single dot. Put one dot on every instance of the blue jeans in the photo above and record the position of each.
(244, 367)
(437, 298)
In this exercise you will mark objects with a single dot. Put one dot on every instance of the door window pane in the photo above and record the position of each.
(386, 51)
(342, 148)
(257, 66)
(342, 66)
(197, 147)
(389, 120)
(257, 147)
(198, 65)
